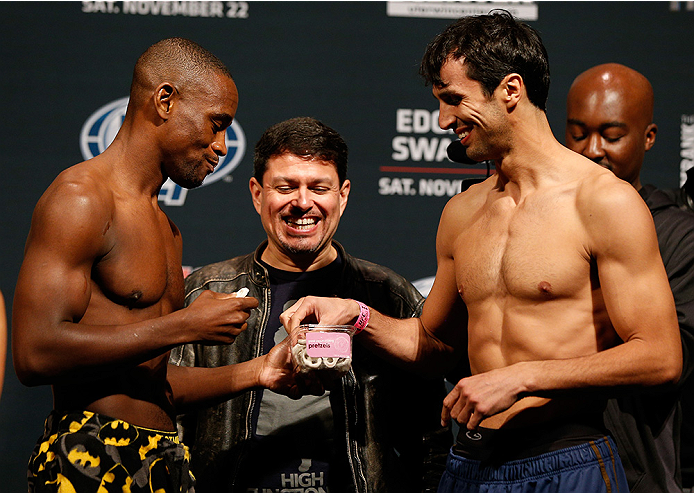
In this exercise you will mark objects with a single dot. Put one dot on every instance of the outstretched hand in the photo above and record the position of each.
(326, 311)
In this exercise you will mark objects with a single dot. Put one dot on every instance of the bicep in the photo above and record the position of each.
(54, 283)
(632, 277)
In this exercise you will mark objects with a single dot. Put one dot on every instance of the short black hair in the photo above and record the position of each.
(178, 60)
(301, 136)
(492, 47)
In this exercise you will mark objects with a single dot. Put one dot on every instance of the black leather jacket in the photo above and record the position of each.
(387, 420)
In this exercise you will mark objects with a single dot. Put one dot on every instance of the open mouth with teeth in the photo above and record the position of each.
(463, 134)
(301, 223)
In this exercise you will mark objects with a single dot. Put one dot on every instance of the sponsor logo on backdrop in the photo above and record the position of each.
(420, 159)
(232, 10)
(686, 146)
(102, 126)
(526, 11)
(682, 6)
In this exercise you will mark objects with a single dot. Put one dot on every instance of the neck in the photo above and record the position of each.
(131, 157)
(533, 154)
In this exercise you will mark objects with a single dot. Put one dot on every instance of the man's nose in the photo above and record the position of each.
(302, 198)
(446, 117)
(594, 148)
(219, 146)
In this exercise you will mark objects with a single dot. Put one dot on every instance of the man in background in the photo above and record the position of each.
(610, 121)
(368, 433)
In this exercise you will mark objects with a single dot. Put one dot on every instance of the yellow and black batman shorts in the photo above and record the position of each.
(84, 452)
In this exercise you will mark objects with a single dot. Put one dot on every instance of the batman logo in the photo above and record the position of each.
(118, 433)
(116, 480)
(82, 459)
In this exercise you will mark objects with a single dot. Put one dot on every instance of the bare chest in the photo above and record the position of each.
(142, 268)
(530, 251)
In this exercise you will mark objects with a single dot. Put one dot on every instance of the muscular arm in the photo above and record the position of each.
(59, 329)
(635, 288)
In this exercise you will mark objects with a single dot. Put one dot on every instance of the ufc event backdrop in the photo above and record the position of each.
(66, 71)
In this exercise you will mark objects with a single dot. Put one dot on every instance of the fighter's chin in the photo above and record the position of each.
(475, 155)
(189, 184)
(189, 180)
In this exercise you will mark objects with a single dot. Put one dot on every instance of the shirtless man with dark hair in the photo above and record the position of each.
(557, 301)
(98, 300)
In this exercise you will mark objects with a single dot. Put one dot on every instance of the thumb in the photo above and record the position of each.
(241, 293)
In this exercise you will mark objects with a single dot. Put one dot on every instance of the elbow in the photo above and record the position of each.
(670, 372)
(28, 374)
(30, 370)
(676, 374)
(32, 359)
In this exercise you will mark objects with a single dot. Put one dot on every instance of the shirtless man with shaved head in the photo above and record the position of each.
(99, 299)
(557, 302)
(609, 113)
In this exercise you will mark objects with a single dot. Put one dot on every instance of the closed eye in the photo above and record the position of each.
(285, 189)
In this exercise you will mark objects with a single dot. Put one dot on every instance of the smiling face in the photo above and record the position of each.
(300, 203)
(196, 129)
(479, 121)
(609, 112)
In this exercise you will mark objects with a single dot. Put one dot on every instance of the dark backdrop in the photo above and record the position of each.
(352, 65)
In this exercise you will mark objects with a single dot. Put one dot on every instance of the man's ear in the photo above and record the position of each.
(164, 97)
(512, 89)
(256, 189)
(651, 130)
(344, 195)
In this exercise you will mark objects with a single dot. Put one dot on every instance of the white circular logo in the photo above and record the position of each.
(102, 126)
(473, 435)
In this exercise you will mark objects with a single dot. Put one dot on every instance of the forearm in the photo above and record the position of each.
(67, 350)
(622, 368)
(408, 344)
(603, 375)
(194, 387)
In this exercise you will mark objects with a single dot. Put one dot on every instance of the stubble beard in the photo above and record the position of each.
(188, 178)
(301, 246)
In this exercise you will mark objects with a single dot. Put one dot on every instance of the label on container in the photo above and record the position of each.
(328, 344)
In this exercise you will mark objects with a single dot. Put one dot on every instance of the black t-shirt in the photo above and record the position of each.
(292, 448)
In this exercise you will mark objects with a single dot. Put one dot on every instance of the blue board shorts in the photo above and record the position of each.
(592, 467)
(88, 452)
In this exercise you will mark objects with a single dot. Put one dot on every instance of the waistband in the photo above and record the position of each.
(588, 454)
(96, 424)
(522, 443)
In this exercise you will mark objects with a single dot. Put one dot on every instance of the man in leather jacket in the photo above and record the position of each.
(377, 429)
